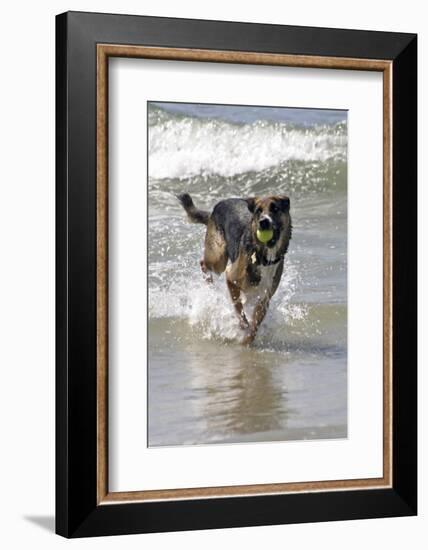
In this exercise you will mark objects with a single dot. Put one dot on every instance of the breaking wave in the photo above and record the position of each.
(183, 146)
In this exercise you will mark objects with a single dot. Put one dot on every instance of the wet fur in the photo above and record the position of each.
(255, 268)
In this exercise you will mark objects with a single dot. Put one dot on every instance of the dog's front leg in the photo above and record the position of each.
(258, 315)
(235, 294)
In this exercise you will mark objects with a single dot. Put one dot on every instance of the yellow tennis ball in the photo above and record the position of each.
(264, 235)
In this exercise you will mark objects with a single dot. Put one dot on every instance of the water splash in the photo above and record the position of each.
(208, 308)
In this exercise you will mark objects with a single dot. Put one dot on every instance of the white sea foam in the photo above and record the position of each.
(181, 147)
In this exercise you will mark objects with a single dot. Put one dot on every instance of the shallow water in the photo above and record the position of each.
(204, 387)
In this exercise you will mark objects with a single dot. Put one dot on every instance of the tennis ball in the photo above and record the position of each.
(264, 235)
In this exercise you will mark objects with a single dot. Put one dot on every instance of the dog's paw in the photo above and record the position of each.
(206, 274)
(248, 338)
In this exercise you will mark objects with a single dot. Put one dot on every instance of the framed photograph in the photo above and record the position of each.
(236, 274)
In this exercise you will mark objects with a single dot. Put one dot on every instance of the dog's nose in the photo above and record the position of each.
(264, 222)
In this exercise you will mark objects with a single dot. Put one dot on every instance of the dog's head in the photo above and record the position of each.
(271, 213)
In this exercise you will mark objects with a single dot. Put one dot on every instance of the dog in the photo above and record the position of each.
(253, 268)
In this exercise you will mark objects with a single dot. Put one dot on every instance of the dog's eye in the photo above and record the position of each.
(273, 208)
(258, 211)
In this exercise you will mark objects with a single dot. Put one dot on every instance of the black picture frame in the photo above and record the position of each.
(77, 512)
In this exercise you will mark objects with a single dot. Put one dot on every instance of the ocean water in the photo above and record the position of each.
(291, 384)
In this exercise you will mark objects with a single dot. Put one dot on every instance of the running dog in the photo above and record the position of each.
(234, 230)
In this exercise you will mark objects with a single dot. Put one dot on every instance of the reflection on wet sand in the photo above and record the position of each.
(240, 399)
(239, 394)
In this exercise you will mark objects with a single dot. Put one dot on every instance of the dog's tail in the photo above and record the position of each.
(194, 214)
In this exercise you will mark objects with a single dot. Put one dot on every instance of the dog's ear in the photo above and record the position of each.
(251, 202)
(283, 202)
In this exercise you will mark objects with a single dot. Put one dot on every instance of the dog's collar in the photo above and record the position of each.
(259, 259)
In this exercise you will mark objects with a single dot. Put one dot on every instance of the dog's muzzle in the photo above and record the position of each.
(265, 223)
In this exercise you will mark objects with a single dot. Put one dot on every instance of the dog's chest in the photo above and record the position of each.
(266, 276)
